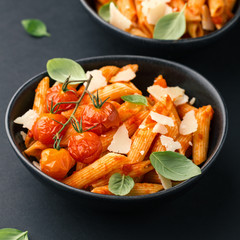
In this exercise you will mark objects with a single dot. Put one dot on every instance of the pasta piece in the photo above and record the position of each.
(152, 177)
(196, 6)
(216, 7)
(195, 29)
(138, 32)
(116, 91)
(127, 8)
(35, 149)
(109, 71)
(230, 4)
(143, 138)
(138, 189)
(70, 131)
(201, 136)
(96, 170)
(133, 170)
(80, 166)
(184, 108)
(185, 141)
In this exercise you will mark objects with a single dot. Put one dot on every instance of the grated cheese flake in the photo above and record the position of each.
(121, 142)
(160, 92)
(117, 19)
(190, 143)
(169, 143)
(141, 126)
(153, 10)
(23, 134)
(189, 123)
(192, 101)
(27, 119)
(98, 80)
(142, 152)
(124, 76)
(162, 119)
(159, 128)
(166, 183)
(181, 100)
(36, 164)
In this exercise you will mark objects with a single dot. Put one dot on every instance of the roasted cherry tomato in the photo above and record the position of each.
(85, 147)
(55, 94)
(45, 128)
(56, 163)
(103, 118)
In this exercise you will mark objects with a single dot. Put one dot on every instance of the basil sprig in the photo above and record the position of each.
(120, 184)
(35, 27)
(171, 26)
(104, 12)
(137, 99)
(60, 69)
(174, 166)
(13, 234)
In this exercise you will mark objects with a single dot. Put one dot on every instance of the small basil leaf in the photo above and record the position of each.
(137, 99)
(170, 27)
(120, 184)
(13, 234)
(60, 69)
(174, 166)
(35, 27)
(104, 12)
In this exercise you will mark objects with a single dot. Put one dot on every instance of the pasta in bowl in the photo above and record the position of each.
(159, 22)
(115, 140)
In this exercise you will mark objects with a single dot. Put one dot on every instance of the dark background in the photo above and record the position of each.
(210, 210)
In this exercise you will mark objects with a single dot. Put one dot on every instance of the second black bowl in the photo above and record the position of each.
(164, 45)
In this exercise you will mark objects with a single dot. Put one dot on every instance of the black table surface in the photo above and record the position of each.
(210, 210)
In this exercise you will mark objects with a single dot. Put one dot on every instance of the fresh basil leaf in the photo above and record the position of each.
(137, 99)
(104, 12)
(13, 234)
(60, 69)
(174, 166)
(120, 184)
(35, 27)
(170, 27)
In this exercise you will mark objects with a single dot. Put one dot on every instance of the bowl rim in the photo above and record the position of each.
(213, 35)
(88, 194)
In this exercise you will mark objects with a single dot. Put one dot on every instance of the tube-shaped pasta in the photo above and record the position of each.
(138, 189)
(138, 32)
(216, 7)
(152, 177)
(133, 170)
(195, 29)
(109, 71)
(184, 108)
(80, 166)
(196, 6)
(185, 141)
(35, 149)
(201, 136)
(127, 8)
(96, 170)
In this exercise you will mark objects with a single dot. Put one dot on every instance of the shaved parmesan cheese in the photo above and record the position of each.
(98, 80)
(192, 101)
(159, 92)
(124, 76)
(169, 143)
(189, 123)
(181, 100)
(190, 143)
(155, 9)
(27, 119)
(161, 119)
(141, 126)
(159, 128)
(121, 142)
(117, 19)
(23, 134)
(167, 183)
(37, 165)
(142, 152)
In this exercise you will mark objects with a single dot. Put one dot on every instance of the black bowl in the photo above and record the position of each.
(175, 74)
(165, 45)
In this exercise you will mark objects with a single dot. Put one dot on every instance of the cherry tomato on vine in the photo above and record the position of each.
(56, 95)
(85, 147)
(45, 128)
(56, 163)
(103, 118)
